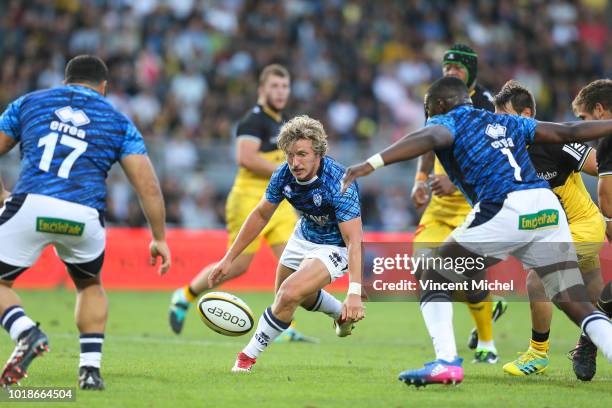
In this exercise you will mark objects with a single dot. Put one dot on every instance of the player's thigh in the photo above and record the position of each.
(297, 250)
(311, 276)
(588, 236)
(485, 232)
(552, 253)
(20, 241)
(237, 209)
(281, 226)
(81, 245)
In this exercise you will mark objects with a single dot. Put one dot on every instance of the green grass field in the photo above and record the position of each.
(144, 364)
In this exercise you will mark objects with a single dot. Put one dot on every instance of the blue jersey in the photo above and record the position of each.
(488, 158)
(69, 138)
(319, 201)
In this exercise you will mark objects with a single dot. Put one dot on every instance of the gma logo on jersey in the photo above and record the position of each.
(541, 219)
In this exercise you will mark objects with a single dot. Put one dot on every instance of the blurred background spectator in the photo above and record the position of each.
(185, 71)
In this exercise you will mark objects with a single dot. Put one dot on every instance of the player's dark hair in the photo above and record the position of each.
(447, 88)
(599, 91)
(273, 70)
(518, 96)
(86, 69)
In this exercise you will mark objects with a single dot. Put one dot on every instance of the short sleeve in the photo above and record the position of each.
(604, 157)
(442, 120)
(274, 192)
(527, 128)
(9, 121)
(133, 142)
(575, 154)
(250, 128)
(347, 205)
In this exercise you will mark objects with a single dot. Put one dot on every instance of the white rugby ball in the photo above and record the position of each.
(225, 313)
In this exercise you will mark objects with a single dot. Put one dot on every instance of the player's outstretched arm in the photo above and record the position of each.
(410, 146)
(549, 132)
(252, 227)
(140, 173)
(352, 234)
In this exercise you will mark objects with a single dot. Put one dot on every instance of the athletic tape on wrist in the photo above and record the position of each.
(354, 288)
(376, 161)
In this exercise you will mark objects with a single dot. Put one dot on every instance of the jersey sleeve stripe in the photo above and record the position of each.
(572, 152)
(584, 158)
(249, 137)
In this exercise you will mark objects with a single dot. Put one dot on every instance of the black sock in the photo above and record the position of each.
(539, 337)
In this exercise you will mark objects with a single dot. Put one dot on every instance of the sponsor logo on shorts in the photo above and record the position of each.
(59, 226)
(541, 219)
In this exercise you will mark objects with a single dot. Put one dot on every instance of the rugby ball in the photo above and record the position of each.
(225, 313)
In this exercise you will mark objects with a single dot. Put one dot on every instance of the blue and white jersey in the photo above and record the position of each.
(319, 201)
(488, 158)
(69, 138)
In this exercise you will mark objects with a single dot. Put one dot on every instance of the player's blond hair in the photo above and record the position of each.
(273, 70)
(303, 127)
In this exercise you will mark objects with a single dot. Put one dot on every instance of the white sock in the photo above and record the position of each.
(268, 328)
(91, 349)
(438, 318)
(488, 345)
(327, 304)
(15, 321)
(599, 329)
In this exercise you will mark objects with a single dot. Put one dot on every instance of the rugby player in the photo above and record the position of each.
(258, 156)
(486, 157)
(448, 207)
(594, 102)
(69, 138)
(325, 244)
(560, 165)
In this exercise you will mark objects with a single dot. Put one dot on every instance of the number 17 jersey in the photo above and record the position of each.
(69, 139)
(488, 158)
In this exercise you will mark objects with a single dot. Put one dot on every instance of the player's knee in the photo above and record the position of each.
(82, 284)
(535, 288)
(288, 294)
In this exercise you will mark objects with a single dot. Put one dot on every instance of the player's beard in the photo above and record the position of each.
(271, 105)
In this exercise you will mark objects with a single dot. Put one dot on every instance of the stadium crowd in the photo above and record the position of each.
(186, 70)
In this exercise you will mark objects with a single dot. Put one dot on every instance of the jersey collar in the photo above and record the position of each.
(274, 115)
(316, 177)
(85, 90)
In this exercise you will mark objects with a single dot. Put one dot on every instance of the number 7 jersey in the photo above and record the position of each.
(488, 158)
(69, 139)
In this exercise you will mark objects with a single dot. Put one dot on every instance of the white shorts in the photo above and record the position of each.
(530, 225)
(335, 258)
(28, 223)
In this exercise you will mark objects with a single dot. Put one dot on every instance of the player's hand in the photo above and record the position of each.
(160, 249)
(441, 185)
(354, 172)
(219, 272)
(352, 308)
(419, 194)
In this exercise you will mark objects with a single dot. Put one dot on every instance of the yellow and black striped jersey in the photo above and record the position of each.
(560, 165)
(262, 125)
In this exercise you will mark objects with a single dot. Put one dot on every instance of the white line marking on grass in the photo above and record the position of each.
(156, 340)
